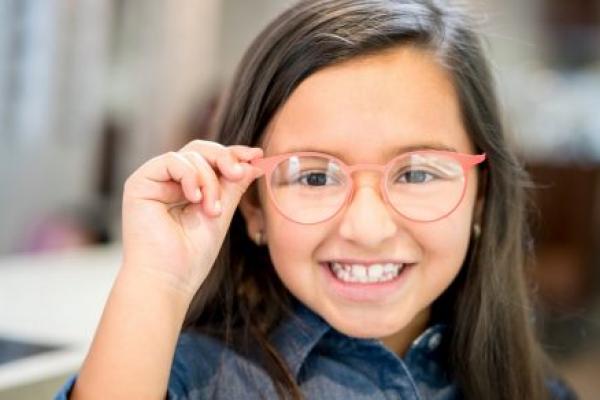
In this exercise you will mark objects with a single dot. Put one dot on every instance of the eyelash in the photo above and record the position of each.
(431, 176)
(303, 176)
(301, 179)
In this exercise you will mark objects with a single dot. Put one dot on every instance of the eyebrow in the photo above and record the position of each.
(394, 152)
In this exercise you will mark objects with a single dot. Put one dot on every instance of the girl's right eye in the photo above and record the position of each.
(316, 179)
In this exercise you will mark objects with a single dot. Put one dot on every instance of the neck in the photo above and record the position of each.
(400, 341)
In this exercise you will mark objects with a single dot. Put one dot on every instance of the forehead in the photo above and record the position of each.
(364, 109)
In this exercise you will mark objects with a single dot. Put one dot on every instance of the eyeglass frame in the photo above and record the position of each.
(268, 164)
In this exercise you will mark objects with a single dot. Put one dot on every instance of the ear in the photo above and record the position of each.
(480, 201)
(478, 209)
(252, 212)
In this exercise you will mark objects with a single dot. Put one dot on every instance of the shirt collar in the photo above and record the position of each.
(296, 336)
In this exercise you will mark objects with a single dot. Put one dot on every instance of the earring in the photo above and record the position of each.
(476, 230)
(258, 238)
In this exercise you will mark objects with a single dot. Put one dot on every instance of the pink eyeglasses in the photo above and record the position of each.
(311, 187)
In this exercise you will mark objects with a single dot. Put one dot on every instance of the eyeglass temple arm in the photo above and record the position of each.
(470, 160)
(263, 164)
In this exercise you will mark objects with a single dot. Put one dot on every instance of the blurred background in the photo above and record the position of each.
(90, 89)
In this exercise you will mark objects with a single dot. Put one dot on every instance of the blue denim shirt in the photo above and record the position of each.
(326, 364)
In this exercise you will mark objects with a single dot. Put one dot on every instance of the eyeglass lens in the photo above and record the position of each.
(420, 186)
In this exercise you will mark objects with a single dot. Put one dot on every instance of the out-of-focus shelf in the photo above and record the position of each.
(54, 300)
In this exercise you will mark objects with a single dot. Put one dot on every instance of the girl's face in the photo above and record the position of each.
(369, 110)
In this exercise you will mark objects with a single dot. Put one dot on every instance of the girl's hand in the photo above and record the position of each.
(177, 208)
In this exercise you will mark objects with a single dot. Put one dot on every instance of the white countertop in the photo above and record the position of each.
(56, 299)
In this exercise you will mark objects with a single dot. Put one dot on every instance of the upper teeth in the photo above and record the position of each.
(366, 274)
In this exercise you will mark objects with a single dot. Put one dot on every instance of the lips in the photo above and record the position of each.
(358, 288)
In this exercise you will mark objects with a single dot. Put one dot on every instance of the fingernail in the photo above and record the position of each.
(198, 194)
(218, 206)
(237, 168)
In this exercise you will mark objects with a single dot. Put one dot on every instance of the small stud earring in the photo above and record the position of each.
(476, 230)
(258, 238)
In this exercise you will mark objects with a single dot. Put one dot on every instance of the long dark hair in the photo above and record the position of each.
(493, 352)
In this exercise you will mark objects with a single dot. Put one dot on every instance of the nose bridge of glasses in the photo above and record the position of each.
(374, 178)
(353, 169)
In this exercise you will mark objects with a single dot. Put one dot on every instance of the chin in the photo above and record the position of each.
(366, 328)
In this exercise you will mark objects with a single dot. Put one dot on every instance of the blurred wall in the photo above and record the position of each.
(51, 72)
(67, 70)
(241, 21)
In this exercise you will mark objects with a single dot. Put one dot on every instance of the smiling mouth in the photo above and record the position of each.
(366, 274)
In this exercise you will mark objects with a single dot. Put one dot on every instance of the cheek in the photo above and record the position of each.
(445, 243)
(283, 235)
(288, 241)
(448, 238)
(291, 247)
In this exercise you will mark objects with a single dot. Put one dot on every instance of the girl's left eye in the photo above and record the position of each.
(416, 176)
(316, 179)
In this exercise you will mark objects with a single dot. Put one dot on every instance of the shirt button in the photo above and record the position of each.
(434, 341)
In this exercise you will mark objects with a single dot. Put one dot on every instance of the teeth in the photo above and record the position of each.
(363, 274)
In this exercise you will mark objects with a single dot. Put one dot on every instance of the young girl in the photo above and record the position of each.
(356, 231)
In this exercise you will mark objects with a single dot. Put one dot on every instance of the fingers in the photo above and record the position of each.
(230, 162)
(245, 153)
(224, 158)
(231, 171)
(153, 180)
(208, 183)
(229, 166)
(199, 173)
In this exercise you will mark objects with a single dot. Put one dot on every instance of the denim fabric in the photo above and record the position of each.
(326, 364)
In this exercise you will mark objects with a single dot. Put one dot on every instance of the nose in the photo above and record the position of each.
(367, 219)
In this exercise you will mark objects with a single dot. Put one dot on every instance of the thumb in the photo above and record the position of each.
(232, 191)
